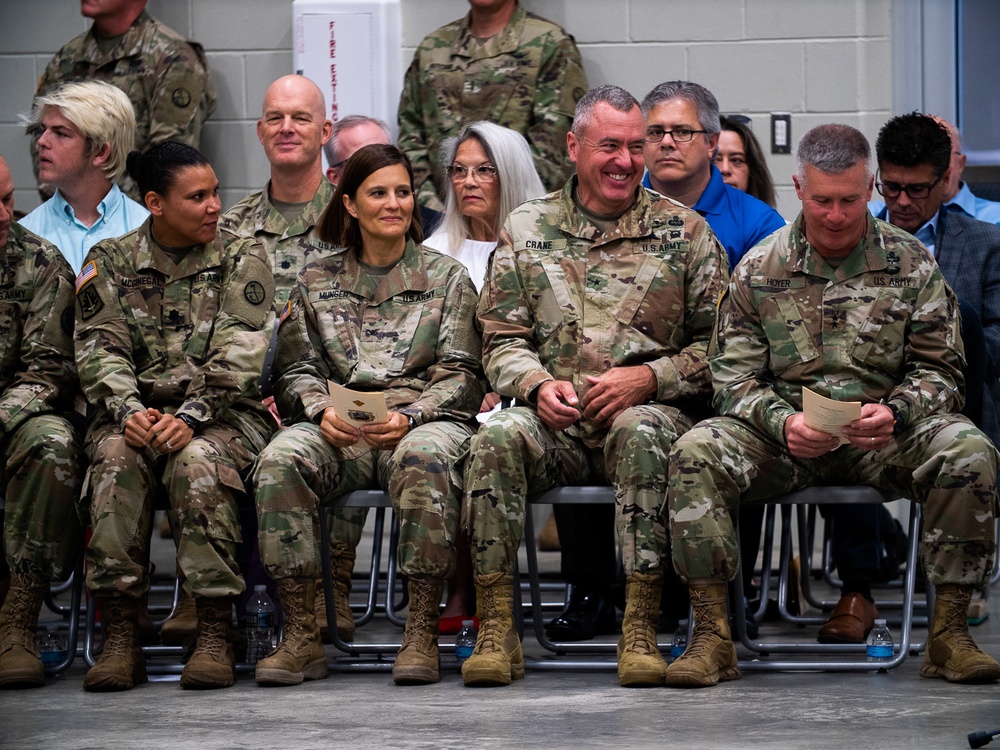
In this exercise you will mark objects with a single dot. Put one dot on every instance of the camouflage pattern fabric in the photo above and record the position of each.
(515, 454)
(289, 245)
(165, 77)
(565, 301)
(881, 327)
(186, 338)
(299, 471)
(527, 77)
(41, 469)
(410, 335)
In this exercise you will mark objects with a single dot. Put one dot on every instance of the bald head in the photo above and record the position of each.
(957, 159)
(293, 125)
(6, 201)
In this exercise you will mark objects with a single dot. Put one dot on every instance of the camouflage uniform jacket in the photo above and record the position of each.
(165, 77)
(37, 373)
(188, 337)
(527, 77)
(412, 336)
(290, 246)
(884, 325)
(563, 301)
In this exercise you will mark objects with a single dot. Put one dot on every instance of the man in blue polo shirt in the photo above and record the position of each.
(86, 131)
(682, 134)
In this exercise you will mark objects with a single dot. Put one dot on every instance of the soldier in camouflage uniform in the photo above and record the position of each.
(526, 75)
(386, 315)
(597, 310)
(293, 130)
(40, 449)
(172, 326)
(166, 77)
(856, 310)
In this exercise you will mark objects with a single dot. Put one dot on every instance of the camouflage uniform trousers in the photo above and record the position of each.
(515, 454)
(941, 461)
(299, 470)
(202, 484)
(42, 473)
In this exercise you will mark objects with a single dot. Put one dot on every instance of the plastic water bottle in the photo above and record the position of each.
(880, 644)
(680, 640)
(465, 641)
(52, 648)
(260, 625)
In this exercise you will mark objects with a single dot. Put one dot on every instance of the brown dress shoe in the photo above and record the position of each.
(852, 620)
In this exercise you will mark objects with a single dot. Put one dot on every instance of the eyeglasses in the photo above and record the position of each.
(680, 135)
(482, 173)
(916, 192)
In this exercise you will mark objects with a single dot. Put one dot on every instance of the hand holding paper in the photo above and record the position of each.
(829, 416)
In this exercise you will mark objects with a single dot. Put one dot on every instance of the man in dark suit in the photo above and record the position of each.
(914, 157)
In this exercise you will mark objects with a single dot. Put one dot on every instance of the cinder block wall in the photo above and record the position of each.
(822, 60)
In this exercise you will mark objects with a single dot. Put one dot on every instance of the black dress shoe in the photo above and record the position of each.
(587, 613)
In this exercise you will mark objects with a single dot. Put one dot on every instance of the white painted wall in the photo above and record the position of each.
(822, 60)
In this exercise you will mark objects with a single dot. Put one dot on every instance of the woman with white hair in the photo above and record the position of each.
(490, 173)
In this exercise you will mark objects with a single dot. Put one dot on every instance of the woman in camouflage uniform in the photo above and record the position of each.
(170, 341)
(384, 314)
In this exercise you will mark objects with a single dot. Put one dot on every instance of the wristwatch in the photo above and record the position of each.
(411, 423)
(190, 422)
(898, 423)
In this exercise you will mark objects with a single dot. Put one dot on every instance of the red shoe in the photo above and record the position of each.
(451, 625)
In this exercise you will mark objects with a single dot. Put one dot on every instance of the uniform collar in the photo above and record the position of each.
(868, 255)
(634, 223)
(466, 45)
(130, 44)
(266, 218)
(149, 256)
(409, 274)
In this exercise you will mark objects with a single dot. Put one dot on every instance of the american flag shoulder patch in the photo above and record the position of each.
(88, 272)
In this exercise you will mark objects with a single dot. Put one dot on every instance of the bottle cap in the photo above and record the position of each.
(467, 623)
(880, 621)
(260, 587)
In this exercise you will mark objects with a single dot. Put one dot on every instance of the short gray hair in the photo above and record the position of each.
(704, 101)
(614, 96)
(101, 112)
(509, 152)
(351, 121)
(833, 148)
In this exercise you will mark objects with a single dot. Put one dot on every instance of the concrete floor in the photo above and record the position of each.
(548, 709)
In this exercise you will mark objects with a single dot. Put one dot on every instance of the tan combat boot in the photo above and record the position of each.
(710, 656)
(300, 654)
(121, 665)
(213, 663)
(418, 661)
(20, 662)
(497, 658)
(342, 557)
(639, 661)
(951, 653)
(183, 623)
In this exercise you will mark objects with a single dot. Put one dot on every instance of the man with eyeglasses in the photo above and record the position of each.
(957, 195)
(856, 310)
(682, 135)
(596, 314)
(914, 168)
